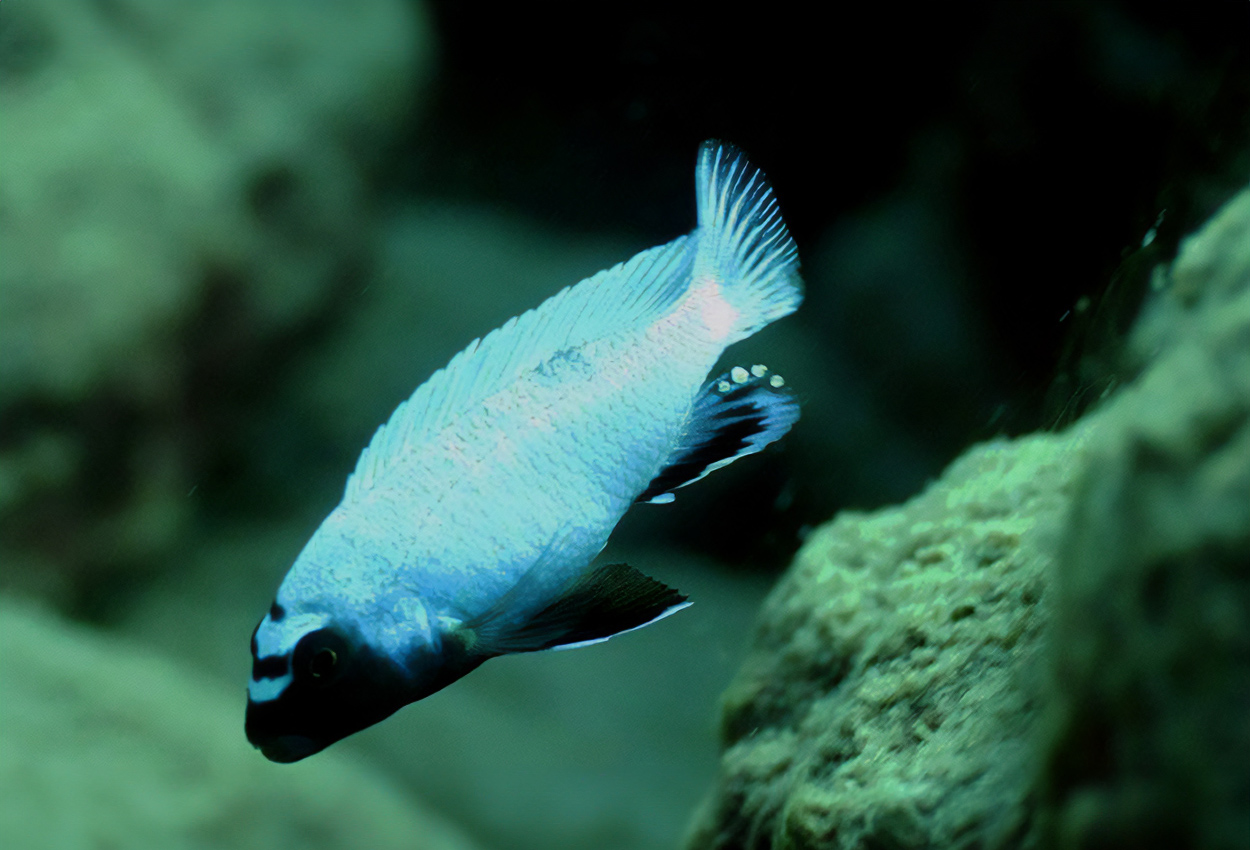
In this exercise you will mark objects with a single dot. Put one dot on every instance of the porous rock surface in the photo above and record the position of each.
(1049, 647)
(891, 689)
(103, 744)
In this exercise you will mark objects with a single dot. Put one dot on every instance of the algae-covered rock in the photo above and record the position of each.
(890, 697)
(106, 745)
(1151, 736)
(1049, 647)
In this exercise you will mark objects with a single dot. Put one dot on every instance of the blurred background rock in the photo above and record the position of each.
(184, 191)
(233, 235)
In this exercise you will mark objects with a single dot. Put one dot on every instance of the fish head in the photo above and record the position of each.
(315, 681)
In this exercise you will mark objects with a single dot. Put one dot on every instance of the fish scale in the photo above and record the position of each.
(577, 481)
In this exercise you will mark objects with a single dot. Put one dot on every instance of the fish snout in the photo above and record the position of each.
(288, 748)
(275, 746)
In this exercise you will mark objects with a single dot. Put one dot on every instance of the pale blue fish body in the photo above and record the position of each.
(452, 524)
(491, 490)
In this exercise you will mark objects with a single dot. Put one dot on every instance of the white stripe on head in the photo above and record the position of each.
(267, 689)
(280, 638)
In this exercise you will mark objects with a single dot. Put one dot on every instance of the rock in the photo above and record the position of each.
(890, 695)
(1048, 647)
(1149, 739)
(103, 744)
(185, 189)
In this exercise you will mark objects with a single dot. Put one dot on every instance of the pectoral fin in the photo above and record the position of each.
(606, 601)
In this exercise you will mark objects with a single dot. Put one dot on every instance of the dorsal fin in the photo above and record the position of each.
(630, 294)
(736, 414)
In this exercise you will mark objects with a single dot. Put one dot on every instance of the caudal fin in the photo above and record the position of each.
(743, 243)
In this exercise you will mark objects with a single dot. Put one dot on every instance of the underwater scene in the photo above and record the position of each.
(832, 425)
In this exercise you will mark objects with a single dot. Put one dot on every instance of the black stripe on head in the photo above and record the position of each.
(269, 667)
(319, 707)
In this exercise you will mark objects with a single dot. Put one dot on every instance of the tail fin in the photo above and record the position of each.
(743, 243)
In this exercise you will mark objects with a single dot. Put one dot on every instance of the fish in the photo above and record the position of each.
(471, 524)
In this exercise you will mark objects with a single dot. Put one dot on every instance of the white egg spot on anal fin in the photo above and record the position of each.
(723, 386)
(759, 370)
(776, 381)
(739, 375)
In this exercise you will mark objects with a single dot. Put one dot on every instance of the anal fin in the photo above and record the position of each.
(605, 601)
(736, 414)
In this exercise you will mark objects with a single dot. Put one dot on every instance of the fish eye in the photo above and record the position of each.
(319, 655)
(322, 663)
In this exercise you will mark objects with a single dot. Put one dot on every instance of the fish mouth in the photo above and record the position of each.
(267, 727)
(285, 749)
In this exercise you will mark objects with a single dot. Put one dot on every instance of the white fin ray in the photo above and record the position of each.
(667, 612)
(743, 242)
(629, 295)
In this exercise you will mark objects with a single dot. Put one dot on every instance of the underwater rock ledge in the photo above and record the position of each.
(1049, 647)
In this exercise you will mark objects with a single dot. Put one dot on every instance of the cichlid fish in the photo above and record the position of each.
(469, 526)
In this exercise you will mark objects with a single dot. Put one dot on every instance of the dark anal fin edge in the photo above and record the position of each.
(606, 601)
(736, 414)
